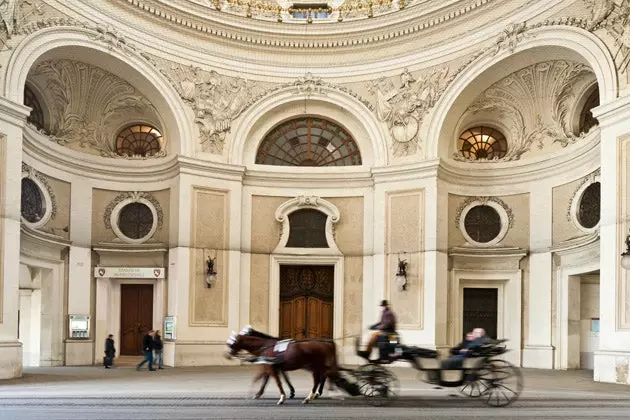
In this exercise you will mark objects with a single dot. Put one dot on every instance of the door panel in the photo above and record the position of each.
(136, 316)
(306, 301)
(481, 310)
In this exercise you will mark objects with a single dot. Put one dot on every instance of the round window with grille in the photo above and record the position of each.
(135, 220)
(588, 212)
(33, 205)
(482, 223)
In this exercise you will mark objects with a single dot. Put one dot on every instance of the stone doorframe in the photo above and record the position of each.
(108, 307)
(306, 256)
(489, 268)
(570, 259)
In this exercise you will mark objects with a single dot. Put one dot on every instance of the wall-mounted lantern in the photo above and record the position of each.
(401, 275)
(625, 257)
(211, 274)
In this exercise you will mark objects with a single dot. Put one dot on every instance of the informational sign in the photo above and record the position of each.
(169, 328)
(79, 326)
(130, 272)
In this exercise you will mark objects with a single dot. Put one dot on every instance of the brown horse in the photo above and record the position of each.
(264, 372)
(316, 356)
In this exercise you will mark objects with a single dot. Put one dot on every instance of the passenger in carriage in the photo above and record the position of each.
(475, 339)
(387, 325)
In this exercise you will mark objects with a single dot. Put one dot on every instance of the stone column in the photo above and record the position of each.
(79, 352)
(538, 352)
(612, 361)
(12, 117)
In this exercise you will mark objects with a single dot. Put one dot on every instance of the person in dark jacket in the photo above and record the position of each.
(147, 347)
(110, 352)
(385, 326)
(158, 346)
(475, 339)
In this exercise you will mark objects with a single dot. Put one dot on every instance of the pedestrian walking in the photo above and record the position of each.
(158, 347)
(147, 348)
(110, 352)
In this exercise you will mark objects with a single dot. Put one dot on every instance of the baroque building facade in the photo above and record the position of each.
(196, 166)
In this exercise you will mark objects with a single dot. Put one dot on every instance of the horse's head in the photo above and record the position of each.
(242, 341)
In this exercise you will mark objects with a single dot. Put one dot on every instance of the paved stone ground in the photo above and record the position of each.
(225, 393)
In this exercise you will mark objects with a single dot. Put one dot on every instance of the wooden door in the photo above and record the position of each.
(480, 310)
(136, 317)
(306, 301)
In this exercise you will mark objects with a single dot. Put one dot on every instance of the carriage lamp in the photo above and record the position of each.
(625, 257)
(401, 275)
(211, 274)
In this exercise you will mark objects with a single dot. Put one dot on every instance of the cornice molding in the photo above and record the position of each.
(13, 113)
(572, 162)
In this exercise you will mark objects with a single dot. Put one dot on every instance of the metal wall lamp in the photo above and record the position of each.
(211, 274)
(625, 257)
(401, 275)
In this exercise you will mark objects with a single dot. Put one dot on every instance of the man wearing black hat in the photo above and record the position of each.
(387, 325)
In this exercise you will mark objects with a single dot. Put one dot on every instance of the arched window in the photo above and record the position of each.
(139, 140)
(587, 121)
(307, 229)
(36, 117)
(308, 141)
(482, 143)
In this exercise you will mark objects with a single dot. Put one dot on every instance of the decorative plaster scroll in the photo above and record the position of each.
(484, 201)
(298, 203)
(84, 101)
(404, 109)
(47, 192)
(534, 104)
(216, 100)
(133, 197)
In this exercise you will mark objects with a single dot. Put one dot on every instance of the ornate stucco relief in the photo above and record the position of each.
(534, 105)
(86, 103)
(403, 103)
(482, 201)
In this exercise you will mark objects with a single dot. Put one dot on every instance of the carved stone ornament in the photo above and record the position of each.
(577, 195)
(484, 201)
(85, 100)
(133, 197)
(404, 109)
(217, 100)
(42, 181)
(534, 104)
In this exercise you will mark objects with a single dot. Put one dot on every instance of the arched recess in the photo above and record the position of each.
(547, 43)
(78, 44)
(328, 103)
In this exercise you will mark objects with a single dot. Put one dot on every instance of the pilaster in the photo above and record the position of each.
(12, 117)
(538, 352)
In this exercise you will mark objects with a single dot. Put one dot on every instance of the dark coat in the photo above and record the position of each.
(157, 343)
(147, 343)
(470, 345)
(388, 322)
(110, 349)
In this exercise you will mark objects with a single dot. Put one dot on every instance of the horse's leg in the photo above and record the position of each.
(321, 388)
(283, 396)
(317, 377)
(265, 377)
(286, 378)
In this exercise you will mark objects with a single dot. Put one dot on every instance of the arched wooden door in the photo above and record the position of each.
(306, 301)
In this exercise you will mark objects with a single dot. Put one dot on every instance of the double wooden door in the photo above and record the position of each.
(136, 317)
(306, 301)
(481, 310)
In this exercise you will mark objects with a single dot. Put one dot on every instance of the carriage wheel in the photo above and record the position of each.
(504, 381)
(475, 382)
(377, 384)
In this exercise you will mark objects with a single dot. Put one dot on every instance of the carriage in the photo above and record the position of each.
(484, 374)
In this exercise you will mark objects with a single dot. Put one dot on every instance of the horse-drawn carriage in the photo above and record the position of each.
(483, 374)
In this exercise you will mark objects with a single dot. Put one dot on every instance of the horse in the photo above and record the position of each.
(263, 373)
(316, 356)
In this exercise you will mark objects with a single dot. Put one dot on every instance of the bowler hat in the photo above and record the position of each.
(384, 302)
